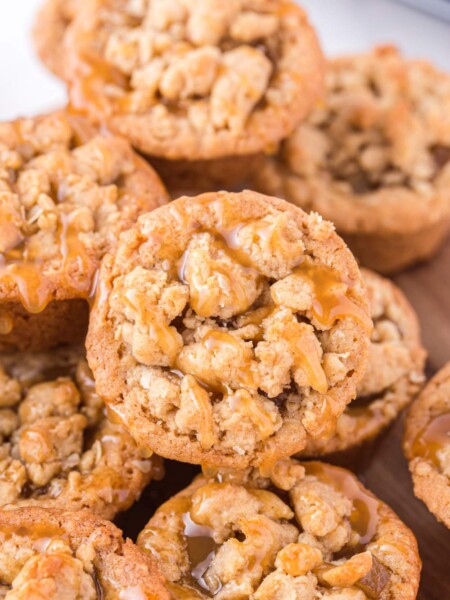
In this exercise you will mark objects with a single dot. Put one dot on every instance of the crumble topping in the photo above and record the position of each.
(56, 446)
(394, 372)
(310, 531)
(383, 124)
(65, 194)
(241, 321)
(195, 78)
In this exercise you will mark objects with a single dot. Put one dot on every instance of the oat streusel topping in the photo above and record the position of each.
(204, 78)
(73, 555)
(310, 531)
(57, 448)
(228, 328)
(376, 152)
(427, 444)
(394, 374)
(65, 195)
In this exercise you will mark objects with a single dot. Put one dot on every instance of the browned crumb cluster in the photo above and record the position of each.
(309, 531)
(65, 195)
(427, 445)
(57, 448)
(56, 555)
(228, 329)
(195, 78)
(394, 374)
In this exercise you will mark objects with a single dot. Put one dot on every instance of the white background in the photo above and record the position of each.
(344, 25)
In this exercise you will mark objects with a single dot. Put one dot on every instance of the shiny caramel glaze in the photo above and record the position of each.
(426, 444)
(106, 472)
(35, 290)
(331, 292)
(68, 192)
(433, 439)
(188, 530)
(203, 313)
(365, 512)
(56, 554)
(198, 539)
(156, 113)
(394, 375)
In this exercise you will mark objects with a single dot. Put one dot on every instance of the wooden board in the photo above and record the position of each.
(383, 468)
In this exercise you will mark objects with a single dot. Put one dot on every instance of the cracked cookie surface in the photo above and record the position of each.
(194, 79)
(65, 195)
(427, 445)
(394, 374)
(374, 157)
(308, 531)
(59, 555)
(229, 328)
(57, 448)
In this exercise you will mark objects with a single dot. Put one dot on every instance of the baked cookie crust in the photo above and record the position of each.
(374, 158)
(195, 79)
(49, 31)
(229, 328)
(55, 554)
(394, 374)
(66, 193)
(57, 448)
(426, 445)
(310, 530)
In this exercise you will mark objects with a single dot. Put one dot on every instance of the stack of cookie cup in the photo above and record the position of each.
(232, 331)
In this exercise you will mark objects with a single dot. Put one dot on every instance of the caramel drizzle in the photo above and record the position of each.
(433, 439)
(331, 301)
(217, 340)
(199, 541)
(330, 306)
(364, 517)
(201, 548)
(35, 291)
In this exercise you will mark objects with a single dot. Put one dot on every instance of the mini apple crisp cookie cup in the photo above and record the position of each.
(394, 374)
(427, 445)
(54, 554)
(57, 447)
(194, 79)
(374, 158)
(65, 195)
(228, 329)
(309, 531)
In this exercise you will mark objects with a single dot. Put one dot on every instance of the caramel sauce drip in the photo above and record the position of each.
(91, 73)
(226, 240)
(200, 545)
(35, 289)
(40, 535)
(364, 516)
(218, 340)
(331, 302)
(201, 549)
(201, 401)
(330, 290)
(433, 438)
(260, 418)
(163, 334)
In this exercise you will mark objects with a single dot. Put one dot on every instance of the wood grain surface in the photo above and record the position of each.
(381, 467)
